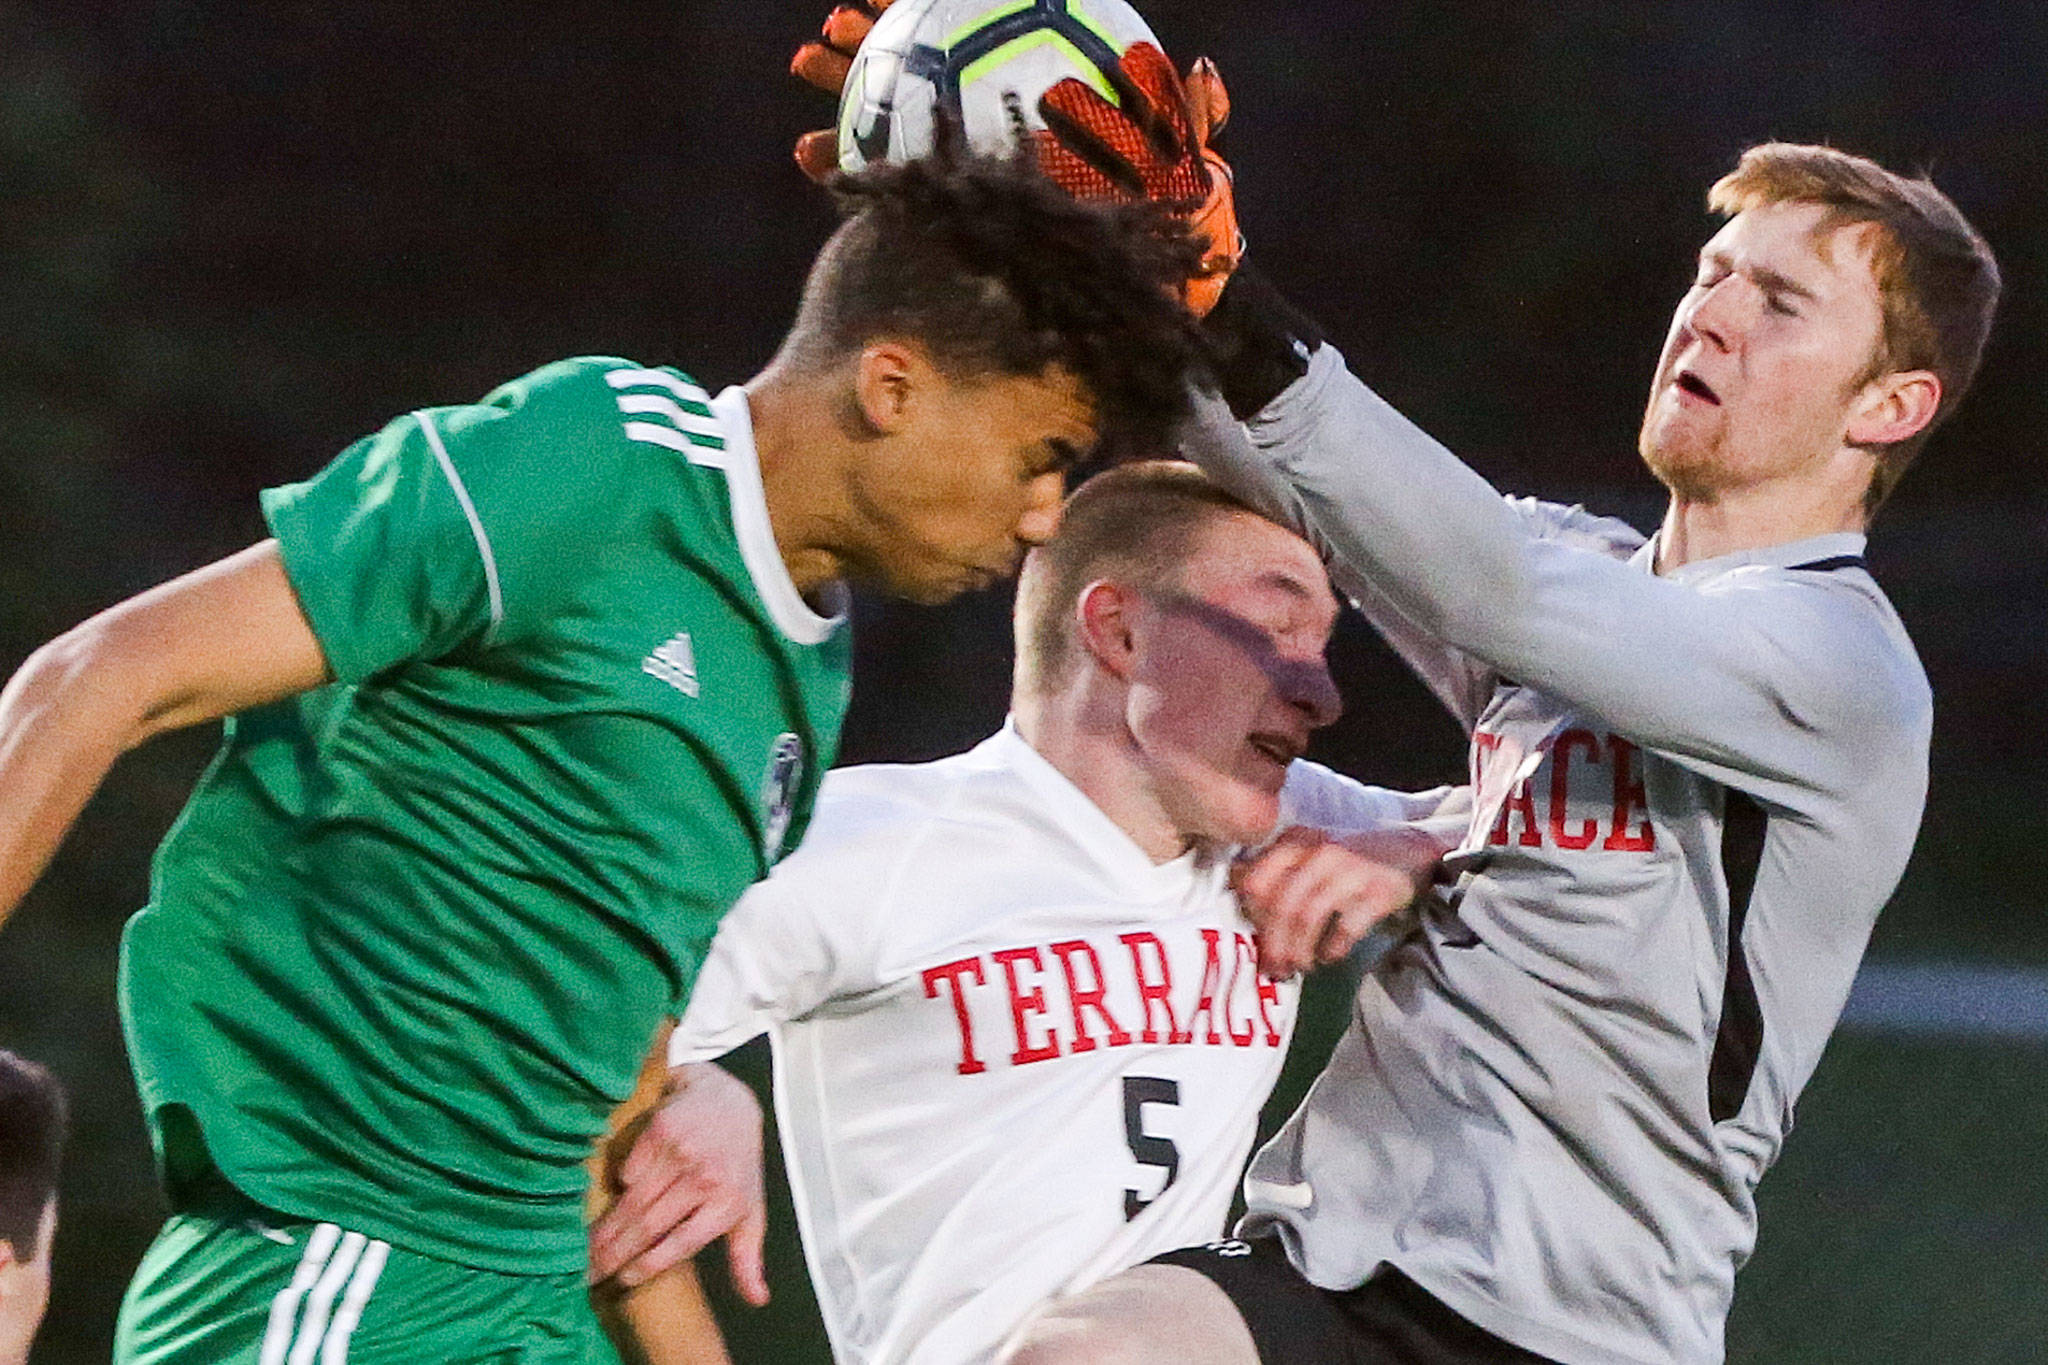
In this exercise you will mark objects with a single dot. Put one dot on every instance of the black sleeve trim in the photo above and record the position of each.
(1262, 343)
(1740, 1038)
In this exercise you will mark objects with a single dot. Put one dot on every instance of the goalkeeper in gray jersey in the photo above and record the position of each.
(1700, 760)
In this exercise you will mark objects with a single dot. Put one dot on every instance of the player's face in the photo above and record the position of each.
(1228, 678)
(25, 1291)
(974, 478)
(1769, 353)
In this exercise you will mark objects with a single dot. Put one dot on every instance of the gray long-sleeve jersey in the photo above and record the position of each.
(1695, 791)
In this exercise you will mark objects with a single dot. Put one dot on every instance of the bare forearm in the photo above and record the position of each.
(666, 1321)
(219, 640)
(60, 730)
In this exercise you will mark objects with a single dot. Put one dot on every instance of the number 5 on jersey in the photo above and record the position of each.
(1147, 1149)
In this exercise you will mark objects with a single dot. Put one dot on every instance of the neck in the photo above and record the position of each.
(1086, 740)
(1706, 526)
(794, 417)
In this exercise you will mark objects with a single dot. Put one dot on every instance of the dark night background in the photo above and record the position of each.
(236, 236)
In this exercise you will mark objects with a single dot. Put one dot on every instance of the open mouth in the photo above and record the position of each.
(1697, 387)
(1280, 748)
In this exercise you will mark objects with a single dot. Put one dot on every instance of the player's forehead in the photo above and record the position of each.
(1805, 246)
(1052, 403)
(1242, 559)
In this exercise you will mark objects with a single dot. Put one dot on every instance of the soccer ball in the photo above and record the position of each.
(986, 61)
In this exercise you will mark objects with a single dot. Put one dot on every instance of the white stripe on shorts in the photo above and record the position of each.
(284, 1309)
(320, 1303)
(334, 1351)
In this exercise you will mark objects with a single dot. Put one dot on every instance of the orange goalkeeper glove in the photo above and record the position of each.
(1153, 143)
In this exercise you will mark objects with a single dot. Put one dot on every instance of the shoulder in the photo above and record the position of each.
(1574, 526)
(1838, 641)
(878, 829)
(585, 397)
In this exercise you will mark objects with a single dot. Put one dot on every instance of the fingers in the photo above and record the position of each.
(1313, 898)
(1285, 947)
(644, 1215)
(743, 1255)
(1208, 101)
(817, 154)
(704, 1226)
(1095, 137)
(1143, 150)
(816, 64)
(1161, 111)
(847, 26)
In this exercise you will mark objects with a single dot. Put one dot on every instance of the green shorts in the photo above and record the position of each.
(231, 1282)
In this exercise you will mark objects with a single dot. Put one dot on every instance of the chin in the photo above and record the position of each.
(1248, 817)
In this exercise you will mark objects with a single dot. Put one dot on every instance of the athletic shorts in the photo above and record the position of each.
(228, 1282)
(1388, 1320)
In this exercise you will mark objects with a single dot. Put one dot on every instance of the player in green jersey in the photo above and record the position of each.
(523, 695)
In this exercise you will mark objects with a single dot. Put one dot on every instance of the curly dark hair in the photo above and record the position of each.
(995, 270)
(32, 1122)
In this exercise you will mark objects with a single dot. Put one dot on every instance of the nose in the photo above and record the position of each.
(1311, 691)
(1042, 503)
(1723, 312)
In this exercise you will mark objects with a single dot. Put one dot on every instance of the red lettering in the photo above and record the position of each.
(1243, 954)
(1485, 747)
(1484, 742)
(1022, 1004)
(1521, 802)
(1092, 998)
(951, 973)
(1151, 992)
(1212, 982)
(1269, 994)
(1560, 789)
(1629, 797)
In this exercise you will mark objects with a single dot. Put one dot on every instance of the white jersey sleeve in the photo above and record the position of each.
(798, 938)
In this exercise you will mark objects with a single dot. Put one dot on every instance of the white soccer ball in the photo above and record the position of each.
(986, 60)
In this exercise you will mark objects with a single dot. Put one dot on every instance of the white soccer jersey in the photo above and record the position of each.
(1552, 1107)
(1012, 1053)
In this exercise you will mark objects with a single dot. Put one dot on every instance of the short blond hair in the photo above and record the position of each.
(1936, 277)
(1137, 523)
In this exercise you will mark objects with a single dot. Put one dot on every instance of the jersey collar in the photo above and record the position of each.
(786, 606)
(1089, 826)
(1791, 554)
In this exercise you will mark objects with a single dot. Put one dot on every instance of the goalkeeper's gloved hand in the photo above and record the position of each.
(1154, 143)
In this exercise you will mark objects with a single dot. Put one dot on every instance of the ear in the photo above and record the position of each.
(891, 379)
(1894, 407)
(1104, 617)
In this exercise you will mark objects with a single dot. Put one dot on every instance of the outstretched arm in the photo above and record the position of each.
(218, 640)
(1705, 676)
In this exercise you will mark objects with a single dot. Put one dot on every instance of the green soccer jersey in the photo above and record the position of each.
(414, 930)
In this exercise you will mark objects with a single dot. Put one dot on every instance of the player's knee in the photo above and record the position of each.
(1150, 1315)
(1057, 1338)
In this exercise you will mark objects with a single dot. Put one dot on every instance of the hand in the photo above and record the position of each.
(691, 1176)
(824, 63)
(1155, 143)
(1313, 897)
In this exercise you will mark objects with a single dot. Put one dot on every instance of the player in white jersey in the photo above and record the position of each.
(1020, 1038)
(1701, 763)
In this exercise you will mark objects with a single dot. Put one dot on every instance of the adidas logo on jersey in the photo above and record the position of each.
(675, 663)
